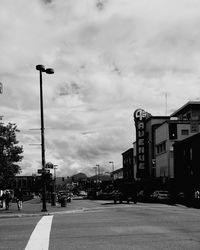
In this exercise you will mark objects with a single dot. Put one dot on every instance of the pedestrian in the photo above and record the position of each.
(197, 194)
(19, 198)
(7, 197)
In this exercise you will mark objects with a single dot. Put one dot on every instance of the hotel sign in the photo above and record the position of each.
(140, 116)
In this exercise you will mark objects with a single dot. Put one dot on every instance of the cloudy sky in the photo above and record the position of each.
(110, 57)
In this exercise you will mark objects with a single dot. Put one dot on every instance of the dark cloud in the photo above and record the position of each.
(101, 4)
(71, 88)
(47, 1)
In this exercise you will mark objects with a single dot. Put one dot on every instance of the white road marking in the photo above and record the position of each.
(40, 236)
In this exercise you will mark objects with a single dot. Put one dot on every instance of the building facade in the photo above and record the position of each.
(186, 165)
(118, 174)
(153, 151)
(166, 135)
(128, 169)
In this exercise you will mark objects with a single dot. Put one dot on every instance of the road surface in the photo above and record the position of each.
(95, 225)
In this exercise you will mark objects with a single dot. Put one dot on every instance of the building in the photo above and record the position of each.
(183, 123)
(144, 150)
(118, 174)
(128, 169)
(186, 165)
(189, 111)
(152, 123)
(153, 156)
(28, 184)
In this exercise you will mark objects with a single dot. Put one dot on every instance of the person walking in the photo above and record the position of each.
(7, 197)
(19, 198)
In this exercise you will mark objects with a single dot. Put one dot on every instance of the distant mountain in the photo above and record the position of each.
(79, 176)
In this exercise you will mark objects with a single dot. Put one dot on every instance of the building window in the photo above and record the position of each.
(188, 116)
(184, 132)
(161, 148)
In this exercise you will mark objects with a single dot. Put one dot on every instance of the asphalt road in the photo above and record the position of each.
(95, 225)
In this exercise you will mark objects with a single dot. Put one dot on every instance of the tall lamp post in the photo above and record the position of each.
(112, 162)
(53, 201)
(98, 172)
(42, 69)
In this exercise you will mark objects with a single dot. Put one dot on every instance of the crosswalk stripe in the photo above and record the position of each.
(39, 238)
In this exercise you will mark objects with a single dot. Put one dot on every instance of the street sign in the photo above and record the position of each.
(40, 171)
(49, 165)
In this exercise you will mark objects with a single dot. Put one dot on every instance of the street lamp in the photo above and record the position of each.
(41, 69)
(95, 174)
(53, 198)
(112, 162)
(98, 172)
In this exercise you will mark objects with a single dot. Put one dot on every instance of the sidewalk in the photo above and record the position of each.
(33, 208)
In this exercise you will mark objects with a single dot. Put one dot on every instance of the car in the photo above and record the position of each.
(160, 195)
(121, 196)
(142, 196)
(83, 194)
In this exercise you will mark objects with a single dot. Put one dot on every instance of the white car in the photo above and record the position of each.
(160, 195)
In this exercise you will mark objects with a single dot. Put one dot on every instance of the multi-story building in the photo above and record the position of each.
(153, 156)
(186, 165)
(144, 151)
(128, 169)
(152, 123)
(182, 124)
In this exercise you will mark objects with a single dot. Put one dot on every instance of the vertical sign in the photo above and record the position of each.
(140, 116)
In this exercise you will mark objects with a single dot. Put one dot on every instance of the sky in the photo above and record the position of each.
(110, 58)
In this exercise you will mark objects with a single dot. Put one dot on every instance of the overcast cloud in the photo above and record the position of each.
(110, 57)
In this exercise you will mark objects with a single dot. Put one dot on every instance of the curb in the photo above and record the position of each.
(14, 215)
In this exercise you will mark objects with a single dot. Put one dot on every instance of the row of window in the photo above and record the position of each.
(161, 148)
(127, 161)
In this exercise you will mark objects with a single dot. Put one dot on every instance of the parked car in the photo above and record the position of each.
(104, 195)
(160, 195)
(142, 196)
(83, 194)
(121, 196)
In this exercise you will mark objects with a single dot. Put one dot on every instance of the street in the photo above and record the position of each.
(98, 225)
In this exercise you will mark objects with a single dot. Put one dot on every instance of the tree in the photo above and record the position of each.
(10, 154)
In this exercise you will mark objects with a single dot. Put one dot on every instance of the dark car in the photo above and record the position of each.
(122, 196)
(142, 196)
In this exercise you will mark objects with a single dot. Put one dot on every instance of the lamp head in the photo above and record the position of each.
(40, 68)
(49, 71)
